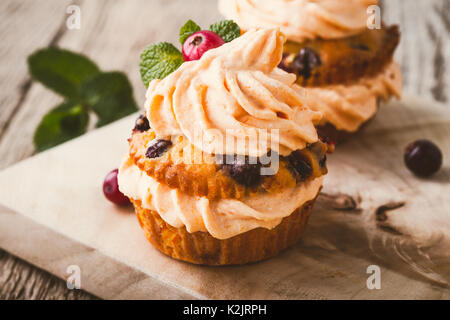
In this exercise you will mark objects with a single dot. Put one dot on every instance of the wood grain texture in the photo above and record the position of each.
(113, 33)
(424, 51)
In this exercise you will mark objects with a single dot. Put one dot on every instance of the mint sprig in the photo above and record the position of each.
(109, 95)
(187, 29)
(62, 123)
(159, 60)
(61, 70)
(85, 89)
(228, 30)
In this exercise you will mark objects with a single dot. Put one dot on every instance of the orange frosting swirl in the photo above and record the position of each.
(234, 91)
(301, 19)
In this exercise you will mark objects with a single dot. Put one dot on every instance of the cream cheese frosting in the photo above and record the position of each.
(347, 107)
(234, 91)
(300, 20)
(222, 218)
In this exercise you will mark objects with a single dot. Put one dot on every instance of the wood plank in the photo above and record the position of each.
(21, 280)
(424, 51)
(24, 26)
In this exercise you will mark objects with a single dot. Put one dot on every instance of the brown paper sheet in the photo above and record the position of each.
(54, 215)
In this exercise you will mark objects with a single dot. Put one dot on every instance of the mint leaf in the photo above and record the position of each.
(61, 70)
(109, 95)
(159, 60)
(228, 30)
(189, 28)
(64, 122)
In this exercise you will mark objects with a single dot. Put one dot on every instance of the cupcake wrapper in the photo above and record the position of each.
(202, 248)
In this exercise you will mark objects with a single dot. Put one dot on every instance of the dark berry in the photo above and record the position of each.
(245, 171)
(158, 148)
(111, 189)
(305, 61)
(284, 64)
(142, 123)
(423, 158)
(199, 42)
(319, 149)
(301, 165)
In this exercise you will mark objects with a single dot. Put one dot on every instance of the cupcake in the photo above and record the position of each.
(226, 163)
(346, 68)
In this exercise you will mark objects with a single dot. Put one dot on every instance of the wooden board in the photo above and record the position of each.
(54, 215)
(113, 34)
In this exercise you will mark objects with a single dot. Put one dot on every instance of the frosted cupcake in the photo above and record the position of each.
(198, 174)
(346, 68)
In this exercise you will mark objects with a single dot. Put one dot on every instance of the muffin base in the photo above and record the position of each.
(346, 60)
(202, 248)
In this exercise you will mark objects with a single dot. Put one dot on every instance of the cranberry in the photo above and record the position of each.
(142, 124)
(199, 42)
(158, 148)
(423, 158)
(111, 189)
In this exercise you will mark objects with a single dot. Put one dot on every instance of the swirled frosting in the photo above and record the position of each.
(223, 218)
(234, 91)
(347, 107)
(301, 19)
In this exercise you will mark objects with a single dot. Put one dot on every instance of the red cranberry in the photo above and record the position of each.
(423, 158)
(111, 189)
(199, 42)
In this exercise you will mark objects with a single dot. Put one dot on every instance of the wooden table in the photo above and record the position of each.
(113, 33)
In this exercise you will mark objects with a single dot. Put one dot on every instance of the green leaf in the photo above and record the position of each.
(189, 28)
(228, 30)
(159, 60)
(64, 122)
(61, 70)
(109, 95)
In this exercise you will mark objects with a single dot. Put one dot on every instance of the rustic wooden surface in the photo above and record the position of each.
(113, 33)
